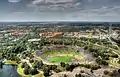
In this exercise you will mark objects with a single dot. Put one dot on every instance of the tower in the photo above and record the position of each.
(110, 30)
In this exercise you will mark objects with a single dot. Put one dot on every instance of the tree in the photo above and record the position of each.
(53, 67)
(27, 66)
(57, 70)
(104, 62)
(115, 56)
(67, 66)
(91, 71)
(26, 71)
(23, 65)
(106, 72)
(101, 62)
(118, 70)
(65, 75)
(82, 71)
(1, 64)
(78, 75)
(95, 54)
(46, 71)
(62, 64)
(31, 60)
(95, 67)
(118, 61)
(115, 72)
(86, 47)
(33, 71)
(38, 64)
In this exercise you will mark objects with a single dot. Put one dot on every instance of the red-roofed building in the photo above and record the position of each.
(51, 34)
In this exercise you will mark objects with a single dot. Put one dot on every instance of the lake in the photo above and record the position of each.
(9, 71)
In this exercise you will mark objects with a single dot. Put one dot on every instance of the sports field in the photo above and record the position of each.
(57, 59)
(62, 55)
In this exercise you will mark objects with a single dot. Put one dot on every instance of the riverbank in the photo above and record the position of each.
(10, 62)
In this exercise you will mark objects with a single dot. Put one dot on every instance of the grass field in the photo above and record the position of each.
(57, 59)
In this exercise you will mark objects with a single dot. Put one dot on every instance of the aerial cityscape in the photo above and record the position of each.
(59, 38)
(61, 49)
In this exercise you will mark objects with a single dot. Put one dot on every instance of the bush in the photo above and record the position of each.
(57, 70)
(27, 66)
(62, 64)
(79, 75)
(38, 64)
(23, 65)
(82, 71)
(65, 75)
(26, 71)
(118, 62)
(106, 72)
(118, 70)
(46, 71)
(52, 67)
(95, 67)
(31, 60)
(114, 56)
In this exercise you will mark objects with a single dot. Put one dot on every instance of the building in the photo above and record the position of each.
(51, 34)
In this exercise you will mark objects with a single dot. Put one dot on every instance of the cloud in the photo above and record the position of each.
(104, 10)
(56, 4)
(51, 1)
(73, 5)
(37, 1)
(14, 1)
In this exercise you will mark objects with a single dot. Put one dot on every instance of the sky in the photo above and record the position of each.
(60, 10)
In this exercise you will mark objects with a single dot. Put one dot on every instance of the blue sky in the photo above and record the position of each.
(60, 10)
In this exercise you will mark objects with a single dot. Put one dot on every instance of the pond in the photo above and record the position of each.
(9, 71)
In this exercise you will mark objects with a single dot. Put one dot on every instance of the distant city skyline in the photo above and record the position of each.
(60, 10)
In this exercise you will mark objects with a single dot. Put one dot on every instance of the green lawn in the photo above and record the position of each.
(57, 59)
(10, 62)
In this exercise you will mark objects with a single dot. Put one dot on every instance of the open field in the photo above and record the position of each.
(57, 59)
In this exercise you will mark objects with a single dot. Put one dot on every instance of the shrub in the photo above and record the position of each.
(106, 72)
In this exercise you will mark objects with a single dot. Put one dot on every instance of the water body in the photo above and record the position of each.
(9, 71)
